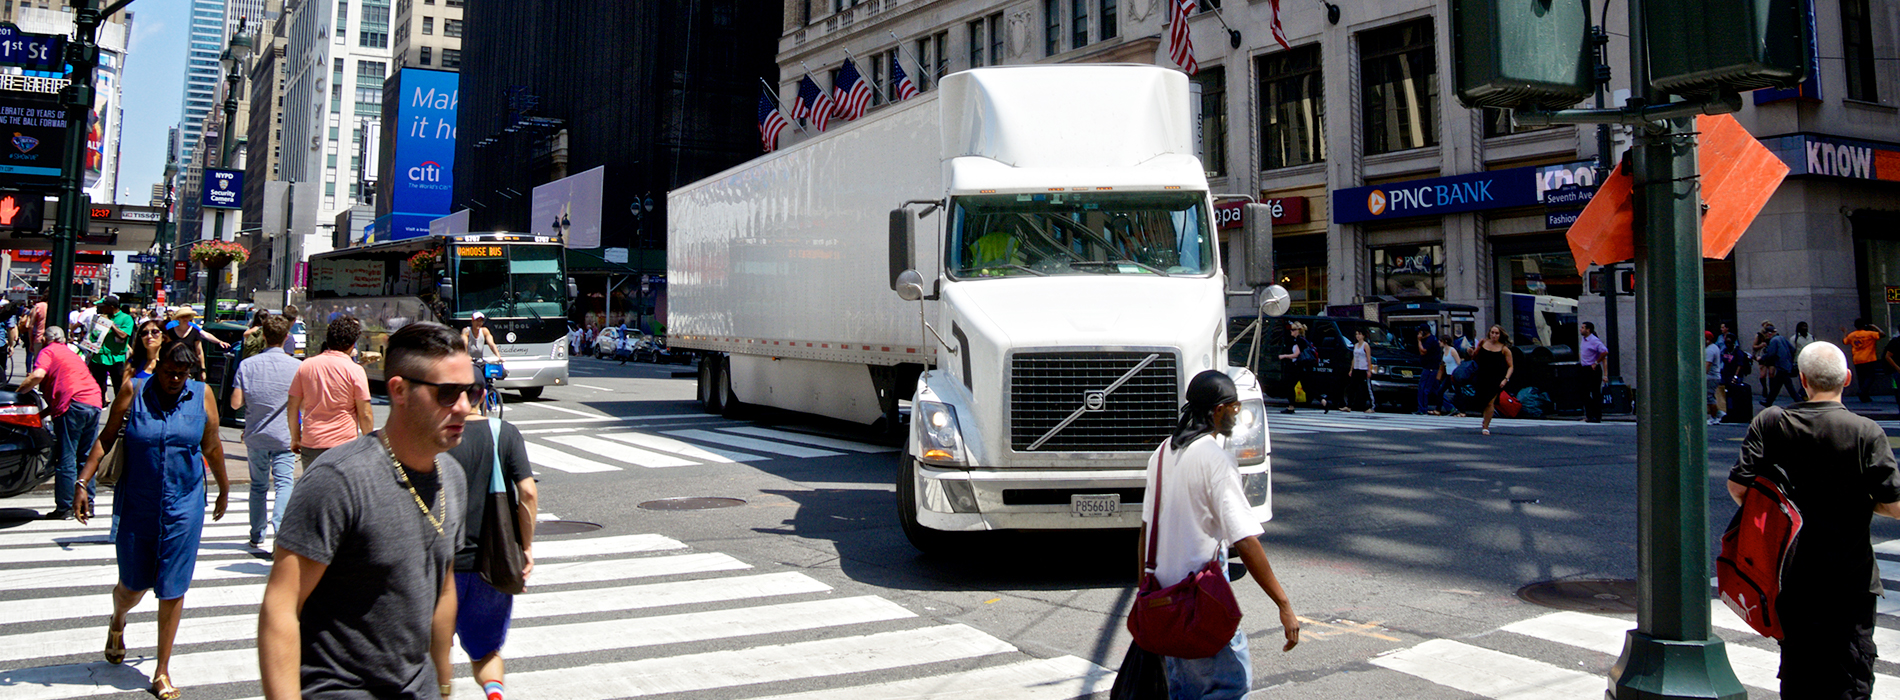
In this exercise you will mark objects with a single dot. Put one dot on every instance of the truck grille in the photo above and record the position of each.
(1046, 388)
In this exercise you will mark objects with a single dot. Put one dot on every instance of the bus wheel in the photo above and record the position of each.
(530, 393)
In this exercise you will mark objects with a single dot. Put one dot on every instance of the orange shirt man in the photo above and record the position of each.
(329, 397)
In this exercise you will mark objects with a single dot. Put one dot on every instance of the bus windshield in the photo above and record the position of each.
(509, 281)
(1080, 233)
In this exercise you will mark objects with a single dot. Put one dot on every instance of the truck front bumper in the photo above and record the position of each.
(527, 372)
(958, 500)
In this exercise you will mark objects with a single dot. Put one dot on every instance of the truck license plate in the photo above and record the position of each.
(1095, 505)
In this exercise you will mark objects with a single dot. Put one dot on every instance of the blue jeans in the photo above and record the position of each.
(1431, 394)
(1227, 675)
(271, 470)
(76, 429)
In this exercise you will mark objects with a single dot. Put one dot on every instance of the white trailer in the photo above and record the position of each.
(1063, 286)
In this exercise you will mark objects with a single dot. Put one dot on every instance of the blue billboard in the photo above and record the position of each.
(424, 155)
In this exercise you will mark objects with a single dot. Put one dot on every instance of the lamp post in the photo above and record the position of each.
(235, 53)
(82, 54)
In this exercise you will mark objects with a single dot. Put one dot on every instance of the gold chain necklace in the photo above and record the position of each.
(403, 477)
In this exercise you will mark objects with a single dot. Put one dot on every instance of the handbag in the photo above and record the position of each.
(1192, 619)
(1143, 676)
(499, 558)
(1508, 404)
(112, 465)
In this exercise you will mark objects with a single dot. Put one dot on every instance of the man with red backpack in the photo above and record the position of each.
(1838, 469)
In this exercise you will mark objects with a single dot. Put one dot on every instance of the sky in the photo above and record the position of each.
(154, 93)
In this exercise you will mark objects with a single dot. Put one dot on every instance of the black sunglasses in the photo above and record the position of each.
(445, 394)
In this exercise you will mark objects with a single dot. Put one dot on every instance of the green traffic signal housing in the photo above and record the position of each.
(1519, 54)
(1702, 47)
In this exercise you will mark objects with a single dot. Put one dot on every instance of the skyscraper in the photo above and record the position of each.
(204, 44)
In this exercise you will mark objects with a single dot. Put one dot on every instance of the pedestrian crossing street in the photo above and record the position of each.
(584, 446)
(1479, 667)
(613, 616)
(1308, 421)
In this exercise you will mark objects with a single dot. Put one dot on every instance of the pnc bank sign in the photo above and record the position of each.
(1494, 189)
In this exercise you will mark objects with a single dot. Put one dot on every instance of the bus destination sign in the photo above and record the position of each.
(478, 251)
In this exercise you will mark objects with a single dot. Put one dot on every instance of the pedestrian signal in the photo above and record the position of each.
(21, 211)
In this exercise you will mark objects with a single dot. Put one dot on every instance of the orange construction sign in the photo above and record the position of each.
(1738, 175)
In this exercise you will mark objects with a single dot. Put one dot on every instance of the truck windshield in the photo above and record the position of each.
(1081, 233)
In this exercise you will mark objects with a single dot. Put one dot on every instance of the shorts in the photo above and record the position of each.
(1710, 387)
(481, 615)
(1828, 646)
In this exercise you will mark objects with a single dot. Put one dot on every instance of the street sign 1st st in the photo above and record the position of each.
(45, 52)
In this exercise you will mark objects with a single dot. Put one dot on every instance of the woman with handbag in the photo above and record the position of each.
(1495, 365)
(1299, 360)
(496, 555)
(170, 428)
(1195, 506)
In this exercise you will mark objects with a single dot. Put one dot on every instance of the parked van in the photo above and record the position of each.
(1394, 380)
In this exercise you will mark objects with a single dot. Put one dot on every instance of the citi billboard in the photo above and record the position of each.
(424, 158)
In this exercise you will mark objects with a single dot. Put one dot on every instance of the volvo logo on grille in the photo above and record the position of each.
(1094, 400)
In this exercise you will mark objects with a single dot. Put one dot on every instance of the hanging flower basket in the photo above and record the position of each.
(215, 254)
(425, 261)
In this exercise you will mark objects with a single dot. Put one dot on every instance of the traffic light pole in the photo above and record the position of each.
(82, 55)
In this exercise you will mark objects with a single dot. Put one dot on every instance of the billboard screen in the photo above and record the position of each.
(570, 208)
(424, 158)
(38, 134)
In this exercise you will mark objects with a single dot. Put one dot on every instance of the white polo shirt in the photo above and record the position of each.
(1202, 507)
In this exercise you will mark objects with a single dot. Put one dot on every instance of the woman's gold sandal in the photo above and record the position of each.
(163, 688)
(115, 646)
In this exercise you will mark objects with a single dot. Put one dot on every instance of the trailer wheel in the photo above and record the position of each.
(709, 379)
(926, 540)
(729, 404)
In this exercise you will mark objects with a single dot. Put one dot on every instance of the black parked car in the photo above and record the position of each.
(1394, 383)
(26, 446)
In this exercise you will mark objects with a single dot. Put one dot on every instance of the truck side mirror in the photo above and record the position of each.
(1275, 301)
(903, 231)
(445, 289)
(909, 285)
(573, 290)
(1258, 222)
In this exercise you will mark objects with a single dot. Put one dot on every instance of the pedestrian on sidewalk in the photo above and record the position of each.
(1839, 470)
(360, 593)
(1300, 359)
(1448, 361)
(1495, 366)
(171, 436)
(329, 398)
(108, 364)
(143, 360)
(1865, 343)
(1594, 373)
(184, 327)
(263, 390)
(1359, 380)
(1777, 359)
(482, 613)
(73, 401)
(290, 341)
(1203, 507)
(1712, 375)
(1429, 389)
(36, 332)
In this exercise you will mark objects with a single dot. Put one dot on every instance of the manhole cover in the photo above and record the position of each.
(564, 527)
(692, 503)
(1611, 596)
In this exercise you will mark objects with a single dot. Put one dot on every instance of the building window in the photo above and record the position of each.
(890, 81)
(1409, 270)
(1079, 23)
(332, 158)
(996, 39)
(976, 44)
(428, 25)
(453, 3)
(842, 5)
(1293, 108)
(923, 54)
(451, 58)
(1051, 27)
(329, 188)
(876, 80)
(333, 133)
(425, 56)
(1857, 47)
(1537, 297)
(342, 16)
(1108, 19)
(1399, 92)
(373, 31)
(452, 28)
(1213, 82)
(942, 57)
(371, 73)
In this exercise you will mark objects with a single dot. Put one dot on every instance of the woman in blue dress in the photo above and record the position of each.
(171, 434)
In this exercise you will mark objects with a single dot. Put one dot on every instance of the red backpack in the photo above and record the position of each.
(1756, 548)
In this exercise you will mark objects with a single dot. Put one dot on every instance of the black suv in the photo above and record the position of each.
(1394, 383)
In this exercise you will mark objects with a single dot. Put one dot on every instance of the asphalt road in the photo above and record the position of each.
(1403, 542)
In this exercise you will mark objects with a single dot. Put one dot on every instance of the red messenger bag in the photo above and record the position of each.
(1192, 619)
(1756, 549)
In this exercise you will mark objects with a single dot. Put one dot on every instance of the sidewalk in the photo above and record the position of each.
(1881, 408)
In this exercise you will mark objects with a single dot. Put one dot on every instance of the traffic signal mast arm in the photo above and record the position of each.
(1649, 117)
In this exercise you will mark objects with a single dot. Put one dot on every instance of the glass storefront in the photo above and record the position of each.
(1413, 271)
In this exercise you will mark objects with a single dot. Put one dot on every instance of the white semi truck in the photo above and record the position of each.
(1057, 282)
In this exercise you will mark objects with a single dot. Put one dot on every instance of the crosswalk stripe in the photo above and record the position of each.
(1605, 635)
(106, 552)
(545, 574)
(618, 544)
(815, 440)
(1059, 678)
(603, 635)
(1492, 674)
(100, 529)
(619, 452)
(656, 595)
(542, 456)
(746, 443)
(766, 664)
(667, 444)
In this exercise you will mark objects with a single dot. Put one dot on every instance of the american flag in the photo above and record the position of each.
(851, 92)
(770, 121)
(813, 103)
(1279, 34)
(905, 88)
(1180, 45)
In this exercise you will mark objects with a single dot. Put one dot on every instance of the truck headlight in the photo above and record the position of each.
(938, 434)
(1248, 444)
(560, 351)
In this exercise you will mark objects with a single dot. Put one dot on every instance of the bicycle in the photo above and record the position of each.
(491, 398)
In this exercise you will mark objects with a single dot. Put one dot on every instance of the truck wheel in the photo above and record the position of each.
(729, 404)
(924, 539)
(709, 381)
(531, 393)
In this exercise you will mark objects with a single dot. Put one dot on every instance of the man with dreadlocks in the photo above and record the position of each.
(1203, 510)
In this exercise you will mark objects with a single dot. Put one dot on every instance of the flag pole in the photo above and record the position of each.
(874, 86)
(778, 104)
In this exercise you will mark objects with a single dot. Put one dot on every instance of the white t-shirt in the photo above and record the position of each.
(1202, 507)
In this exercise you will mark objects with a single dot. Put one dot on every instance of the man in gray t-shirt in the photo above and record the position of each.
(361, 585)
(263, 388)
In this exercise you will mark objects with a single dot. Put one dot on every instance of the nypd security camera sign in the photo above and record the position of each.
(223, 189)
